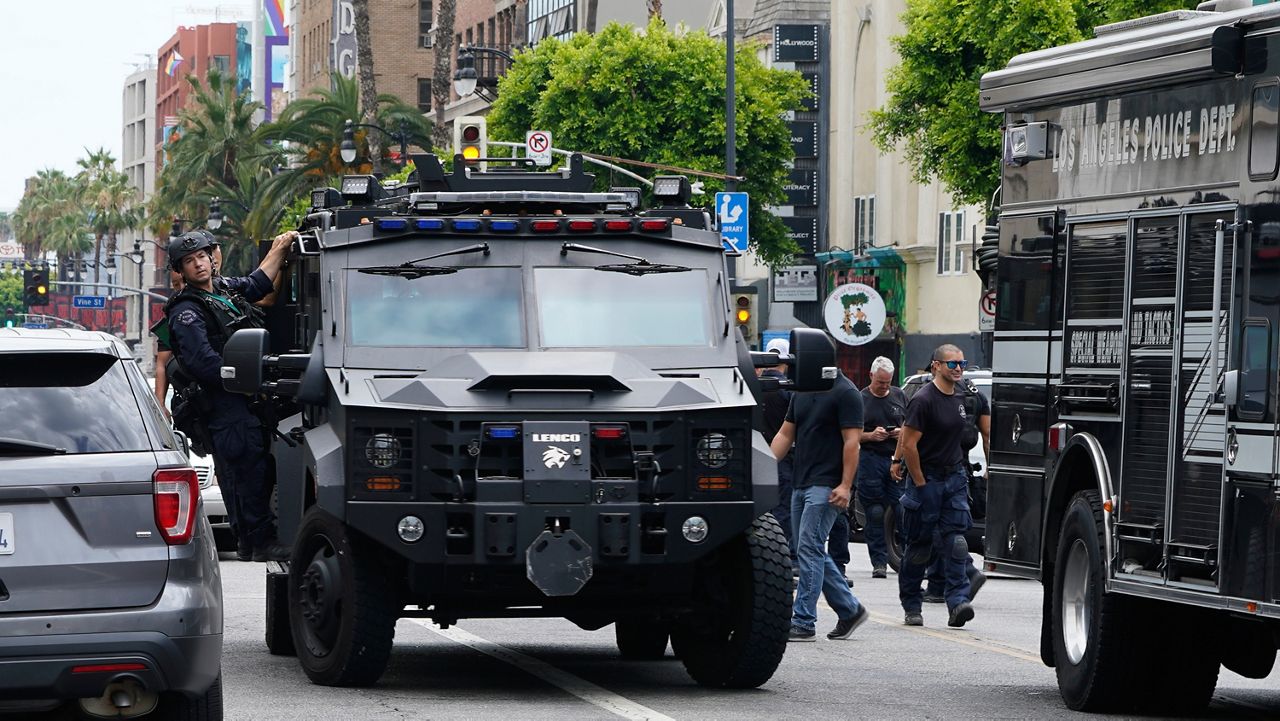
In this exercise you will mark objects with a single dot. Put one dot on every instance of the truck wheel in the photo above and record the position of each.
(1096, 670)
(891, 539)
(340, 608)
(641, 639)
(741, 642)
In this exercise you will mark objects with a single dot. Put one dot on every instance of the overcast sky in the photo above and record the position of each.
(62, 70)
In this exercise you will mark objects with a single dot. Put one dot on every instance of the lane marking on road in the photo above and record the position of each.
(963, 638)
(583, 689)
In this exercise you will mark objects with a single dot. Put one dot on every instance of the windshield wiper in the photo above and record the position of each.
(641, 266)
(15, 446)
(411, 270)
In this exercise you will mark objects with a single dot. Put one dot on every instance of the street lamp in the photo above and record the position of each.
(216, 216)
(466, 79)
(348, 151)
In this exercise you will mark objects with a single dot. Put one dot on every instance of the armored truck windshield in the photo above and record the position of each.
(530, 293)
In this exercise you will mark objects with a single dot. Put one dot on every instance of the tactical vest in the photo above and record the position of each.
(220, 319)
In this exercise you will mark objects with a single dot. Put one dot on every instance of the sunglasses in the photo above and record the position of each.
(954, 364)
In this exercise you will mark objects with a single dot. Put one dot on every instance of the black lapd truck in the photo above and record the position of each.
(500, 394)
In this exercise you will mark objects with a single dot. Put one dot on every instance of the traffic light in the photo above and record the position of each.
(744, 314)
(35, 284)
(10, 318)
(471, 138)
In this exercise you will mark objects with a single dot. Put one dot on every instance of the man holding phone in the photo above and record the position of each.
(884, 407)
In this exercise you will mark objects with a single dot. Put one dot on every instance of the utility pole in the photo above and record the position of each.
(730, 109)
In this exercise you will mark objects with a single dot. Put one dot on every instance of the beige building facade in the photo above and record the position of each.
(908, 239)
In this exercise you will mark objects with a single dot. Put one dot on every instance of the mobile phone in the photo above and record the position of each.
(890, 429)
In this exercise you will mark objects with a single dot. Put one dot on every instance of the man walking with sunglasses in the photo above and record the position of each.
(935, 504)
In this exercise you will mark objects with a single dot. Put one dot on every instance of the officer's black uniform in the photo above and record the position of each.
(199, 325)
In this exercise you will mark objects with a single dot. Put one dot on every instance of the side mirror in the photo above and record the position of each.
(242, 361)
(814, 364)
(1231, 387)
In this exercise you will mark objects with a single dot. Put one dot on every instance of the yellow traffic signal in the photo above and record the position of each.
(744, 313)
(470, 137)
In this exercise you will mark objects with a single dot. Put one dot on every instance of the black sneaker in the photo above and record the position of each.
(802, 634)
(960, 615)
(244, 551)
(846, 626)
(879, 572)
(976, 580)
(913, 618)
(934, 598)
(272, 552)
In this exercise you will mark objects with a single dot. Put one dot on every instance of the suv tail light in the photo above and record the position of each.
(176, 492)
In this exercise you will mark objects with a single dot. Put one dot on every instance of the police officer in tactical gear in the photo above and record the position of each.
(201, 318)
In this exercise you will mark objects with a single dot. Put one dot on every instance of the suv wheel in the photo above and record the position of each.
(641, 639)
(740, 643)
(340, 609)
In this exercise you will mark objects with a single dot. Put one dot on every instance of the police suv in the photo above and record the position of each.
(519, 397)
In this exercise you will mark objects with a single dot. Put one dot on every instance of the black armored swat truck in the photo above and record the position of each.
(504, 395)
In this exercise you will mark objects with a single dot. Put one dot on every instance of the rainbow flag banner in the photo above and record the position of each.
(171, 66)
(274, 11)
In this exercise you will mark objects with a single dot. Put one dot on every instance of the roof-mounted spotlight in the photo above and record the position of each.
(672, 190)
(322, 198)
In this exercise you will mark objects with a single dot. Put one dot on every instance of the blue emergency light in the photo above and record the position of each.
(504, 432)
(392, 223)
(504, 226)
(429, 224)
(466, 226)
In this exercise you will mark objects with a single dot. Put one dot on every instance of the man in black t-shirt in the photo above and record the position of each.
(826, 430)
(884, 409)
(935, 505)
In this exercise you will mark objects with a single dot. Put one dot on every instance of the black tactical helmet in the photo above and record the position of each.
(188, 243)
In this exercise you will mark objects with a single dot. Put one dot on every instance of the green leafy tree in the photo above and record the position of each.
(11, 290)
(932, 112)
(657, 96)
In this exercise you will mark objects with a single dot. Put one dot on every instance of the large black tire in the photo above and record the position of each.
(175, 706)
(1114, 653)
(341, 611)
(739, 640)
(641, 639)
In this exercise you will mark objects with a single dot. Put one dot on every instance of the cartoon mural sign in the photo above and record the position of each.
(854, 314)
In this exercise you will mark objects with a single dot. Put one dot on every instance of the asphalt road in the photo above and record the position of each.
(550, 669)
(545, 668)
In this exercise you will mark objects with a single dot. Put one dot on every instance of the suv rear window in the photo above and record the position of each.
(81, 402)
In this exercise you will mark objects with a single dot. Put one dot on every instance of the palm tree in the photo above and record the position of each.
(442, 73)
(368, 81)
(215, 132)
(312, 129)
(110, 199)
(51, 217)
